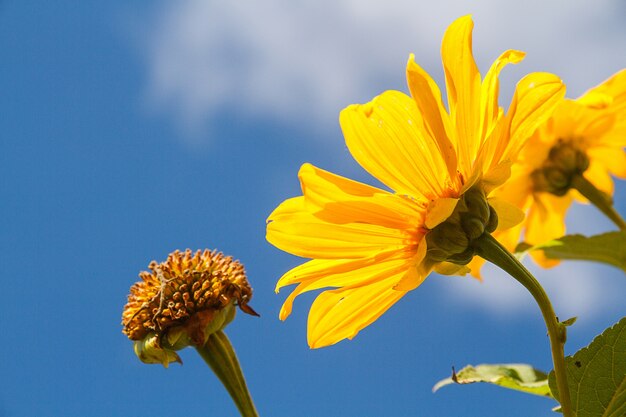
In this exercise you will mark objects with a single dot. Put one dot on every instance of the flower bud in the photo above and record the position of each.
(452, 239)
(564, 162)
(149, 350)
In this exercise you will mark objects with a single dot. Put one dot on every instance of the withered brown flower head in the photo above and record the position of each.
(186, 290)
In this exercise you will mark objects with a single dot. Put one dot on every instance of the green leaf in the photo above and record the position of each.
(608, 248)
(515, 376)
(597, 375)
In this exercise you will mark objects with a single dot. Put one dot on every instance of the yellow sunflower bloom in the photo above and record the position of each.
(373, 246)
(583, 138)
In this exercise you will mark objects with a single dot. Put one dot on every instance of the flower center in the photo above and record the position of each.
(564, 162)
(183, 291)
(451, 241)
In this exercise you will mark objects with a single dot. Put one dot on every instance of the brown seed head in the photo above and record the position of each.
(185, 290)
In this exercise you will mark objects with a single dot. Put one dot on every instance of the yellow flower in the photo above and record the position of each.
(372, 245)
(584, 137)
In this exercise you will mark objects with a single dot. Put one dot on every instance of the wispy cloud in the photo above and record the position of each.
(302, 62)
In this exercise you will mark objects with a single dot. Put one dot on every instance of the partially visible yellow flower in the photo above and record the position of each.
(584, 137)
(181, 301)
(372, 245)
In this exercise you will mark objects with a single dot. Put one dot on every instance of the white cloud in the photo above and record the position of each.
(301, 62)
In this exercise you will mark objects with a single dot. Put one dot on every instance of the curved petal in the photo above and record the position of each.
(613, 159)
(427, 96)
(490, 89)
(416, 271)
(614, 87)
(295, 230)
(519, 187)
(509, 215)
(473, 268)
(340, 200)
(439, 210)
(536, 96)
(598, 175)
(317, 274)
(448, 268)
(574, 120)
(387, 138)
(463, 87)
(540, 259)
(340, 314)
(546, 218)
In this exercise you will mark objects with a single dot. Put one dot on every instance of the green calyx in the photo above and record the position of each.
(565, 161)
(160, 348)
(451, 241)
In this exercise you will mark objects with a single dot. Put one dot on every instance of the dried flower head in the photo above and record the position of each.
(186, 292)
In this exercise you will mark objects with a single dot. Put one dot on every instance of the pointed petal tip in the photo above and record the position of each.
(514, 56)
(284, 313)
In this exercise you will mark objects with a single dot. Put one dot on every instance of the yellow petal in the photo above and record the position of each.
(612, 159)
(318, 269)
(386, 136)
(614, 87)
(574, 120)
(490, 89)
(448, 268)
(598, 175)
(340, 200)
(510, 237)
(496, 176)
(427, 96)
(439, 210)
(463, 87)
(546, 218)
(535, 98)
(540, 258)
(415, 274)
(508, 214)
(303, 234)
(518, 192)
(318, 274)
(340, 314)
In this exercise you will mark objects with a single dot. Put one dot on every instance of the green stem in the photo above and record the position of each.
(219, 354)
(489, 248)
(599, 199)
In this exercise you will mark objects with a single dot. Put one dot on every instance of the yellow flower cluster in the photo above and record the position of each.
(372, 245)
(584, 137)
(454, 173)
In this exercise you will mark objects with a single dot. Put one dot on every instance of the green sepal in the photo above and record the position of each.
(149, 350)
(569, 321)
(515, 376)
(597, 375)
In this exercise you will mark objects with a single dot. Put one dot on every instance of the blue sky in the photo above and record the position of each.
(129, 131)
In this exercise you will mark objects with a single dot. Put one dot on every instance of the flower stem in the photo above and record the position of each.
(490, 249)
(219, 354)
(599, 199)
